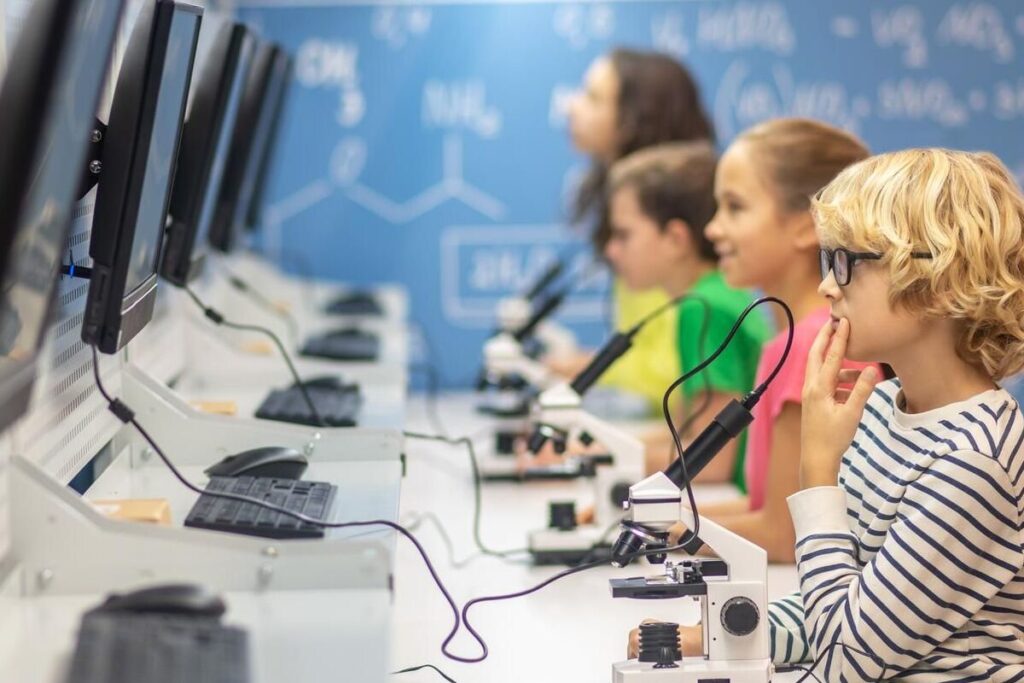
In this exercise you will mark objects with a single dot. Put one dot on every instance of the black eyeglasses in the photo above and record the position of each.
(840, 262)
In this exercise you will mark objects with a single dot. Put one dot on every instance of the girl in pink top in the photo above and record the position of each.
(785, 388)
(765, 238)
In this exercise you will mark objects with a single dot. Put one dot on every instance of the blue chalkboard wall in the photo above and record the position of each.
(426, 144)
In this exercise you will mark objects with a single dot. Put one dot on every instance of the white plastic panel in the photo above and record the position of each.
(68, 422)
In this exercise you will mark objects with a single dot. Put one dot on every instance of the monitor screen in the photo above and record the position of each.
(139, 158)
(216, 94)
(255, 118)
(277, 98)
(163, 147)
(55, 76)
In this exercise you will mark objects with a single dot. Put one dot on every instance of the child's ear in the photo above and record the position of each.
(679, 231)
(805, 236)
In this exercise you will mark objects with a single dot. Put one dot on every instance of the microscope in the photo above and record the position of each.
(558, 417)
(525, 332)
(730, 585)
(511, 373)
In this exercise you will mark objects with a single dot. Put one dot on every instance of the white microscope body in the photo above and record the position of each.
(731, 589)
(558, 416)
(504, 355)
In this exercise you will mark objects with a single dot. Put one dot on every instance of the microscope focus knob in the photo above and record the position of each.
(740, 616)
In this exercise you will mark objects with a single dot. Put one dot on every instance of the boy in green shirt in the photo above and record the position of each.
(661, 198)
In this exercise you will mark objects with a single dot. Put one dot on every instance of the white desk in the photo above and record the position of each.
(570, 631)
(323, 636)
(310, 296)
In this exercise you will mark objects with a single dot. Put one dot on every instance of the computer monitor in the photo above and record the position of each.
(216, 95)
(266, 162)
(255, 118)
(139, 157)
(48, 100)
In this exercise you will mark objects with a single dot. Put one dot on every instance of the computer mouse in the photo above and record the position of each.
(357, 296)
(182, 598)
(270, 461)
(349, 332)
(328, 382)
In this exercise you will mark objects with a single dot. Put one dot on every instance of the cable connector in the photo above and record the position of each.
(120, 410)
(213, 315)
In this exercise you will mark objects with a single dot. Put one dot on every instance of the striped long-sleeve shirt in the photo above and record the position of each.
(916, 557)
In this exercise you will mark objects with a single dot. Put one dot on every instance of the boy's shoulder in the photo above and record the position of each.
(990, 425)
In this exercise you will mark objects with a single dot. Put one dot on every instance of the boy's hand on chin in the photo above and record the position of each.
(830, 412)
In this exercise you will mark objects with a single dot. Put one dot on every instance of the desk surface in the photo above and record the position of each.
(294, 635)
(570, 631)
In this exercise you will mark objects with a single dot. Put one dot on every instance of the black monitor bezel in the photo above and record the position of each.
(112, 316)
(225, 228)
(38, 52)
(182, 259)
(254, 214)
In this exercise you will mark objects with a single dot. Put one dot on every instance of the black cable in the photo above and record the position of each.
(256, 296)
(126, 415)
(533, 589)
(477, 485)
(689, 486)
(596, 546)
(690, 418)
(421, 517)
(218, 319)
(425, 666)
(705, 403)
(754, 395)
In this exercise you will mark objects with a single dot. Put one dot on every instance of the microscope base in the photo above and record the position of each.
(694, 670)
(554, 546)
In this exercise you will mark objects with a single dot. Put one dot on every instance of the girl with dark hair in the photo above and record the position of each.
(631, 100)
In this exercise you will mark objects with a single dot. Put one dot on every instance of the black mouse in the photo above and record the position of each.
(270, 461)
(346, 333)
(328, 382)
(184, 598)
(357, 296)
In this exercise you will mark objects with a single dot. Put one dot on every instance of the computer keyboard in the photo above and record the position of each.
(337, 407)
(311, 498)
(355, 303)
(351, 345)
(158, 648)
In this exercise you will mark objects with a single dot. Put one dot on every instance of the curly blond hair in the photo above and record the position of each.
(964, 209)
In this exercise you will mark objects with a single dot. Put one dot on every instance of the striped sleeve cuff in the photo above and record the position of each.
(821, 509)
